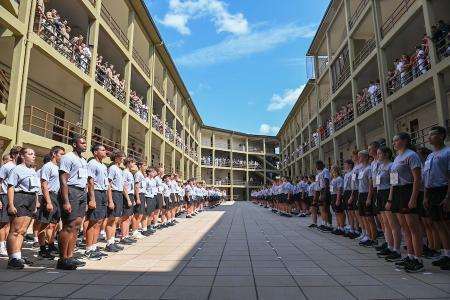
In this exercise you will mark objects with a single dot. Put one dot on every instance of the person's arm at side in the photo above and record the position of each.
(91, 193)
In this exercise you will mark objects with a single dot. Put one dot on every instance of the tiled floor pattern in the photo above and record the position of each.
(236, 251)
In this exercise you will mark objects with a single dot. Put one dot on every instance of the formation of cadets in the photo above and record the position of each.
(379, 197)
(79, 203)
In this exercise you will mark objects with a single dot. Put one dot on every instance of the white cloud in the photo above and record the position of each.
(245, 45)
(267, 129)
(289, 98)
(181, 11)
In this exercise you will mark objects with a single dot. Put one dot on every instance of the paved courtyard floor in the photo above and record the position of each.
(235, 251)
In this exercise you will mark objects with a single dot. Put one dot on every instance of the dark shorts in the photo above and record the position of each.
(345, 196)
(99, 213)
(400, 199)
(128, 210)
(4, 218)
(314, 203)
(435, 210)
(174, 199)
(166, 202)
(382, 198)
(25, 203)
(150, 205)
(159, 201)
(337, 208)
(353, 205)
(78, 201)
(327, 199)
(46, 217)
(117, 198)
(140, 209)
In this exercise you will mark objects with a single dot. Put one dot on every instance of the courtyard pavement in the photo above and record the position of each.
(235, 251)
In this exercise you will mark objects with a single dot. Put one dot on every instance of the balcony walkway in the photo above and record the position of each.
(236, 251)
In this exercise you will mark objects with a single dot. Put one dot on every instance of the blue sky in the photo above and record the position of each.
(243, 61)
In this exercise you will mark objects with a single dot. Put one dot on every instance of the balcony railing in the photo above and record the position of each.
(136, 155)
(140, 61)
(409, 73)
(171, 103)
(157, 124)
(419, 138)
(4, 86)
(207, 162)
(239, 147)
(368, 102)
(255, 149)
(109, 145)
(81, 57)
(44, 124)
(114, 26)
(159, 85)
(341, 123)
(206, 143)
(359, 9)
(222, 164)
(222, 145)
(139, 108)
(225, 181)
(343, 76)
(323, 65)
(240, 165)
(368, 47)
(113, 86)
(396, 15)
(324, 99)
(442, 48)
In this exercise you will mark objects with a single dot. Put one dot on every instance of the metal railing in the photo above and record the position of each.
(442, 48)
(159, 85)
(368, 47)
(359, 9)
(222, 145)
(324, 99)
(110, 84)
(171, 103)
(140, 61)
(4, 86)
(368, 102)
(222, 164)
(240, 165)
(136, 155)
(419, 138)
(225, 181)
(109, 145)
(408, 74)
(341, 123)
(255, 149)
(114, 26)
(157, 124)
(44, 124)
(58, 41)
(139, 109)
(343, 76)
(206, 143)
(239, 148)
(396, 15)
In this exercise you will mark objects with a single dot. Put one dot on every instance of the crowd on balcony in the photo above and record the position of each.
(369, 97)
(138, 105)
(107, 76)
(239, 163)
(252, 164)
(440, 36)
(55, 30)
(168, 132)
(224, 181)
(157, 123)
(178, 139)
(343, 116)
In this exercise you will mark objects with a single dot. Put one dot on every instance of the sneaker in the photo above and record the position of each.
(384, 252)
(77, 262)
(36, 245)
(146, 233)
(188, 217)
(312, 225)
(404, 263)
(365, 243)
(393, 257)
(441, 261)
(93, 255)
(414, 266)
(3, 252)
(111, 248)
(381, 247)
(26, 261)
(130, 240)
(138, 235)
(433, 254)
(353, 235)
(100, 253)
(126, 241)
(45, 254)
(370, 244)
(53, 249)
(66, 264)
(118, 246)
(170, 224)
(361, 236)
(15, 264)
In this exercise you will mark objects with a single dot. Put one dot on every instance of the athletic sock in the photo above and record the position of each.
(17, 255)
(110, 241)
(35, 239)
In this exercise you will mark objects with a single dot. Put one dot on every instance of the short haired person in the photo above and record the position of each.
(437, 185)
(115, 200)
(128, 199)
(72, 200)
(323, 187)
(405, 179)
(5, 170)
(151, 202)
(336, 191)
(139, 194)
(49, 213)
(348, 190)
(98, 188)
(313, 199)
(23, 186)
